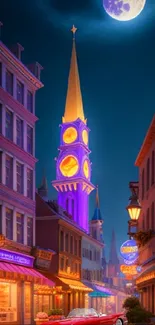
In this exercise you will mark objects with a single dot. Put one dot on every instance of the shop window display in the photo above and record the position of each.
(8, 302)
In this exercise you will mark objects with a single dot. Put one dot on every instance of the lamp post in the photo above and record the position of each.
(134, 209)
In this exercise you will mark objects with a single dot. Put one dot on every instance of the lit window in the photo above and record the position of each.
(30, 101)
(9, 125)
(9, 171)
(19, 132)
(9, 224)
(19, 174)
(20, 228)
(30, 231)
(29, 139)
(30, 183)
(20, 92)
(9, 82)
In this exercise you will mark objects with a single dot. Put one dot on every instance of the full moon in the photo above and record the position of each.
(123, 10)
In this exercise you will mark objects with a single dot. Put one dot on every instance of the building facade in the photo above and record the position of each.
(56, 230)
(18, 86)
(146, 224)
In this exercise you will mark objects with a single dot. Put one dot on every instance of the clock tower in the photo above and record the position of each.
(73, 167)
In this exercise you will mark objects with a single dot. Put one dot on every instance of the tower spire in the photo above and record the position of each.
(74, 104)
(97, 213)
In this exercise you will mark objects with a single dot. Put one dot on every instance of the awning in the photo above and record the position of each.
(99, 290)
(146, 275)
(75, 284)
(12, 271)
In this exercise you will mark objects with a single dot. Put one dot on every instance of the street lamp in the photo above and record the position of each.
(134, 208)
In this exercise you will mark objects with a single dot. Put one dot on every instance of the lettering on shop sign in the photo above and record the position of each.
(16, 258)
(42, 264)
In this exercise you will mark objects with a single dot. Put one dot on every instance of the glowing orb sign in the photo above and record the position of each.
(123, 10)
(129, 251)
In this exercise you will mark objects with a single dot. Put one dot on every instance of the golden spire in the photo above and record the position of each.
(74, 105)
(97, 197)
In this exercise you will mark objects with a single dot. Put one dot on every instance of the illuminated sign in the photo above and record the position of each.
(129, 251)
(16, 258)
(130, 262)
(129, 269)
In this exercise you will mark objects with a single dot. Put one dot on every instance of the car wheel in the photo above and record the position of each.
(119, 322)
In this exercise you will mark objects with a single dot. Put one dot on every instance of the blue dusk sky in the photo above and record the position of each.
(117, 73)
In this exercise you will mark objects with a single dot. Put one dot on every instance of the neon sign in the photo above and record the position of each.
(129, 269)
(129, 251)
(16, 258)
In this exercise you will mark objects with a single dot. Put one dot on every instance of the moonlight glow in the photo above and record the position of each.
(123, 10)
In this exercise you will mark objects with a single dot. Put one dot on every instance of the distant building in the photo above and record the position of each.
(113, 264)
(18, 86)
(146, 164)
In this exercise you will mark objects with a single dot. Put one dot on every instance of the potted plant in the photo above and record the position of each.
(41, 317)
(135, 313)
(55, 314)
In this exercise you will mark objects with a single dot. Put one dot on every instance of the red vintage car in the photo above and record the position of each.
(84, 316)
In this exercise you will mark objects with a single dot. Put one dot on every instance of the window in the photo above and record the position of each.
(148, 175)
(20, 228)
(9, 82)
(61, 240)
(143, 185)
(20, 92)
(148, 219)
(71, 244)
(30, 183)
(19, 174)
(0, 73)
(152, 217)
(9, 224)
(79, 247)
(61, 263)
(19, 132)
(152, 168)
(29, 139)
(9, 125)
(75, 246)
(30, 101)
(0, 118)
(66, 243)
(30, 231)
(9, 171)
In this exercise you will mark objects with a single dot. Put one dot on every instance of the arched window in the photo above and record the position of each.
(152, 168)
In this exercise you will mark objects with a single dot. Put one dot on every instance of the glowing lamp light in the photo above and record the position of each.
(134, 208)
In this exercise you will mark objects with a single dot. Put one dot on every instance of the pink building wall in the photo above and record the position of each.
(18, 87)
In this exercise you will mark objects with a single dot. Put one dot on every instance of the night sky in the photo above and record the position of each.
(117, 72)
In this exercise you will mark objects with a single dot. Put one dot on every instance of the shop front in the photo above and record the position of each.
(146, 287)
(20, 284)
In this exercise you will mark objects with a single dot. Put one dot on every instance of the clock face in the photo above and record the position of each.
(69, 166)
(85, 137)
(86, 168)
(70, 135)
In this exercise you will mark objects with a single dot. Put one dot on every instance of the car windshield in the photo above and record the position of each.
(83, 312)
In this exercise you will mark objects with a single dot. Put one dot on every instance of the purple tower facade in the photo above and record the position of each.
(73, 167)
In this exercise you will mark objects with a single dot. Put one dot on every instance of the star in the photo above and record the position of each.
(73, 30)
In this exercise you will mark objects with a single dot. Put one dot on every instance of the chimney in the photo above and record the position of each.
(17, 50)
(35, 68)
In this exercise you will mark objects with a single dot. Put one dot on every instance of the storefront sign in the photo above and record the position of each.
(42, 264)
(129, 251)
(43, 254)
(16, 258)
(129, 269)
